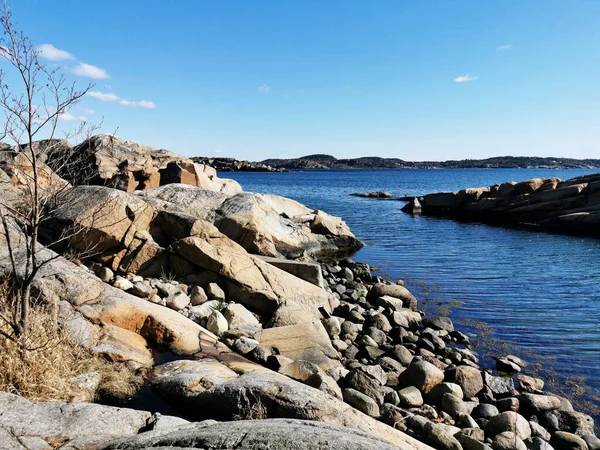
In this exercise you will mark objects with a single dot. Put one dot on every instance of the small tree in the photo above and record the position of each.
(32, 110)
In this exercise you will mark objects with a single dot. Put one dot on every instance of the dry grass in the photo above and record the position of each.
(46, 373)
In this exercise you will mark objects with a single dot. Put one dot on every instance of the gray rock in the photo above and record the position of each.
(539, 431)
(438, 391)
(237, 315)
(561, 440)
(332, 326)
(143, 290)
(468, 378)
(508, 440)
(402, 354)
(214, 292)
(275, 434)
(593, 442)
(422, 375)
(244, 345)
(376, 334)
(105, 274)
(440, 437)
(361, 402)
(500, 386)
(537, 443)
(178, 301)
(201, 312)
(536, 403)
(470, 443)
(67, 420)
(122, 283)
(453, 405)
(485, 410)
(410, 397)
(394, 290)
(530, 384)
(439, 323)
(216, 323)
(507, 366)
(359, 380)
(509, 421)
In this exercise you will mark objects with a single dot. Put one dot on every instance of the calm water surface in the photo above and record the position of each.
(538, 293)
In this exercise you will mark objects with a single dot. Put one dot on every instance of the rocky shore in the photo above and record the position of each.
(276, 338)
(234, 165)
(571, 206)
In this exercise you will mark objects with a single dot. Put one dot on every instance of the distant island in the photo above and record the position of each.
(322, 161)
(373, 162)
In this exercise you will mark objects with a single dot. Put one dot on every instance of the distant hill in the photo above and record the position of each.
(321, 161)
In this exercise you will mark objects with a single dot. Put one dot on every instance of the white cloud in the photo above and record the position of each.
(146, 104)
(264, 89)
(103, 97)
(88, 111)
(70, 117)
(502, 48)
(465, 79)
(142, 104)
(89, 71)
(49, 51)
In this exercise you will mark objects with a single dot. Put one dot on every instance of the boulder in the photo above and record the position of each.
(216, 323)
(509, 421)
(66, 422)
(410, 397)
(263, 224)
(252, 282)
(275, 434)
(362, 402)
(440, 436)
(237, 315)
(508, 440)
(312, 375)
(535, 403)
(394, 290)
(561, 440)
(308, 271)
(423, 375)
(277, 396)
(468, 378)
(98, 219)
(110, 161)
(302, 342)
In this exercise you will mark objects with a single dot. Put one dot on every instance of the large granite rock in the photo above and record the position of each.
(251, 281)
(263, 224)
(108, 160)
(274, 434)
(267, 394)
(71, 425)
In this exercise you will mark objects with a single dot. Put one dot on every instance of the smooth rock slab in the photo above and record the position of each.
(66, 421)
(274, 434)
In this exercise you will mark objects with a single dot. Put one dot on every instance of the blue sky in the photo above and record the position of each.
(255, 79)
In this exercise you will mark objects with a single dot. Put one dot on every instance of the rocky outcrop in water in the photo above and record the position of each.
(571, 206)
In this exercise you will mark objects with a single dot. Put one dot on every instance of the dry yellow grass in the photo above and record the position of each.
(46, 373)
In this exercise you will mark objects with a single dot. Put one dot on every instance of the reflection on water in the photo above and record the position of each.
(537, 292)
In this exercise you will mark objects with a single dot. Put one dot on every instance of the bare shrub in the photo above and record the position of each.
(45, 371)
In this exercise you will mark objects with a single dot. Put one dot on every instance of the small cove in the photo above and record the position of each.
(534, 294)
